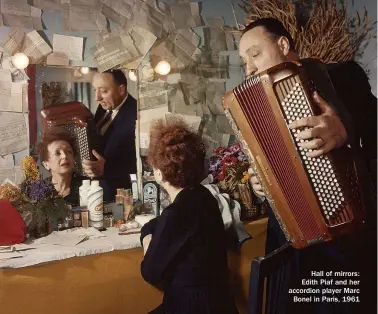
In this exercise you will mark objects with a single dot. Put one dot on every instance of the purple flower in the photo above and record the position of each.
(40, 189)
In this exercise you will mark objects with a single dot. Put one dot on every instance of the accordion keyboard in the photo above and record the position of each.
(294, 106)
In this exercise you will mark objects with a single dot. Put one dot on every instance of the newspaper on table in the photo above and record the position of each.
(13, 133)
(69, 45)
(18, 13)
(35, 47)
(11, 96)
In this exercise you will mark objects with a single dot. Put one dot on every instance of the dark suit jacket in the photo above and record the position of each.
(117, 146)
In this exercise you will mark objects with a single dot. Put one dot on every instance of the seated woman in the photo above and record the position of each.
(185, 247)
(57, 154)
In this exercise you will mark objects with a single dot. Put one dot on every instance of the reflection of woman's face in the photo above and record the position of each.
(61, 159)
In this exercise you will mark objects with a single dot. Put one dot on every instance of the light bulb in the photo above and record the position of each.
(132, 75)
(163, 68)
(84, 70)
(20, 60)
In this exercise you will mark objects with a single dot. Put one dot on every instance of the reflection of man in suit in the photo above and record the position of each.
(115, 119)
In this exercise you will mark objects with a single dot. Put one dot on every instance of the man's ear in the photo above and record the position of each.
(122, 89)
(45, 164)
(284, 45)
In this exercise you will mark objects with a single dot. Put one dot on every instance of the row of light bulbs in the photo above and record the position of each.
(21, 61)
(162, 68)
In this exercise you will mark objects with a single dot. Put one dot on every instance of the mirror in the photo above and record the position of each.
(52, 86)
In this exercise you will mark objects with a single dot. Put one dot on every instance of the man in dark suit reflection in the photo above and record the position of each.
(115, 120)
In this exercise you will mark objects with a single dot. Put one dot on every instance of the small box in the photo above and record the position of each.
(117, 211)
(76, 215)
(151, 194)
(84, 218)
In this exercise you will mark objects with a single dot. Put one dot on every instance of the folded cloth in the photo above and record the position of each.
(230, 210)
(12, 227)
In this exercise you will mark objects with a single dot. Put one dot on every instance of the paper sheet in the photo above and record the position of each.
(110, 53)
(186, 15)
(5, 76)
(70, 45)
(83, 18)
(11, 97)
(187, 41)
(6, 161)
(142, 41)
(35, 47)
(117, 11)
(13, 133)
(52, 5)
(58, 58)
(214, 97)
(14, 41)
(18, 13)
(153, 94)
(13, 174)
(145, 118)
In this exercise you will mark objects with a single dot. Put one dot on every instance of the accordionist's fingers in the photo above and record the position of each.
(324, 149)
(308, 121)
(310, 133)
(313, 144)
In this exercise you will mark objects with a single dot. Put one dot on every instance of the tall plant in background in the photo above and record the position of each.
(320, 28)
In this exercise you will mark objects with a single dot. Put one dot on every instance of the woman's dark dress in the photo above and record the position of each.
(73, 198)
(187, 256)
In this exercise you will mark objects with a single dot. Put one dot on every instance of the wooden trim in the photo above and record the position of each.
(33, 126)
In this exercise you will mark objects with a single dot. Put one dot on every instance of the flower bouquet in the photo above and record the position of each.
(36, 199)
(229, 168)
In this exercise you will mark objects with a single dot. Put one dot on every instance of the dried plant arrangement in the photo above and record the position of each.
(321, 29)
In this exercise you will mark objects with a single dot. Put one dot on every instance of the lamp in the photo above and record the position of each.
(133, 75)
(163, 68)
(20, 60)
(84, 70)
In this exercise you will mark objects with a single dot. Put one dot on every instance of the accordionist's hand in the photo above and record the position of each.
(256, 186)
(94, 168)
(326, 131)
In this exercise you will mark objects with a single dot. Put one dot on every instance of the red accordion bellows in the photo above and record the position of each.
(314, 199)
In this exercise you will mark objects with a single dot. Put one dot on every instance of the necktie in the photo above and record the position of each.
(105, 120)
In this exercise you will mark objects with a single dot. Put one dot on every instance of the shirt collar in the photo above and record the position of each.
(119, 107)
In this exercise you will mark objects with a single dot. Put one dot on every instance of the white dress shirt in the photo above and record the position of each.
(114, 113)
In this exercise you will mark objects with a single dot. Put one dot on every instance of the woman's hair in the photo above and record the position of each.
(51, 136)
(177, 152)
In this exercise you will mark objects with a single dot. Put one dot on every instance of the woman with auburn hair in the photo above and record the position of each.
(57, 155)
(185, 247)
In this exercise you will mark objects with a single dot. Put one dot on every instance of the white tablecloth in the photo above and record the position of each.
(47, 253)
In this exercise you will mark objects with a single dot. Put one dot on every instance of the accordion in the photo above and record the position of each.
(313, 199)
(75, 118)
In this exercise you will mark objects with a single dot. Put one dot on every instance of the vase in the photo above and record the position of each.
(249, 209)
